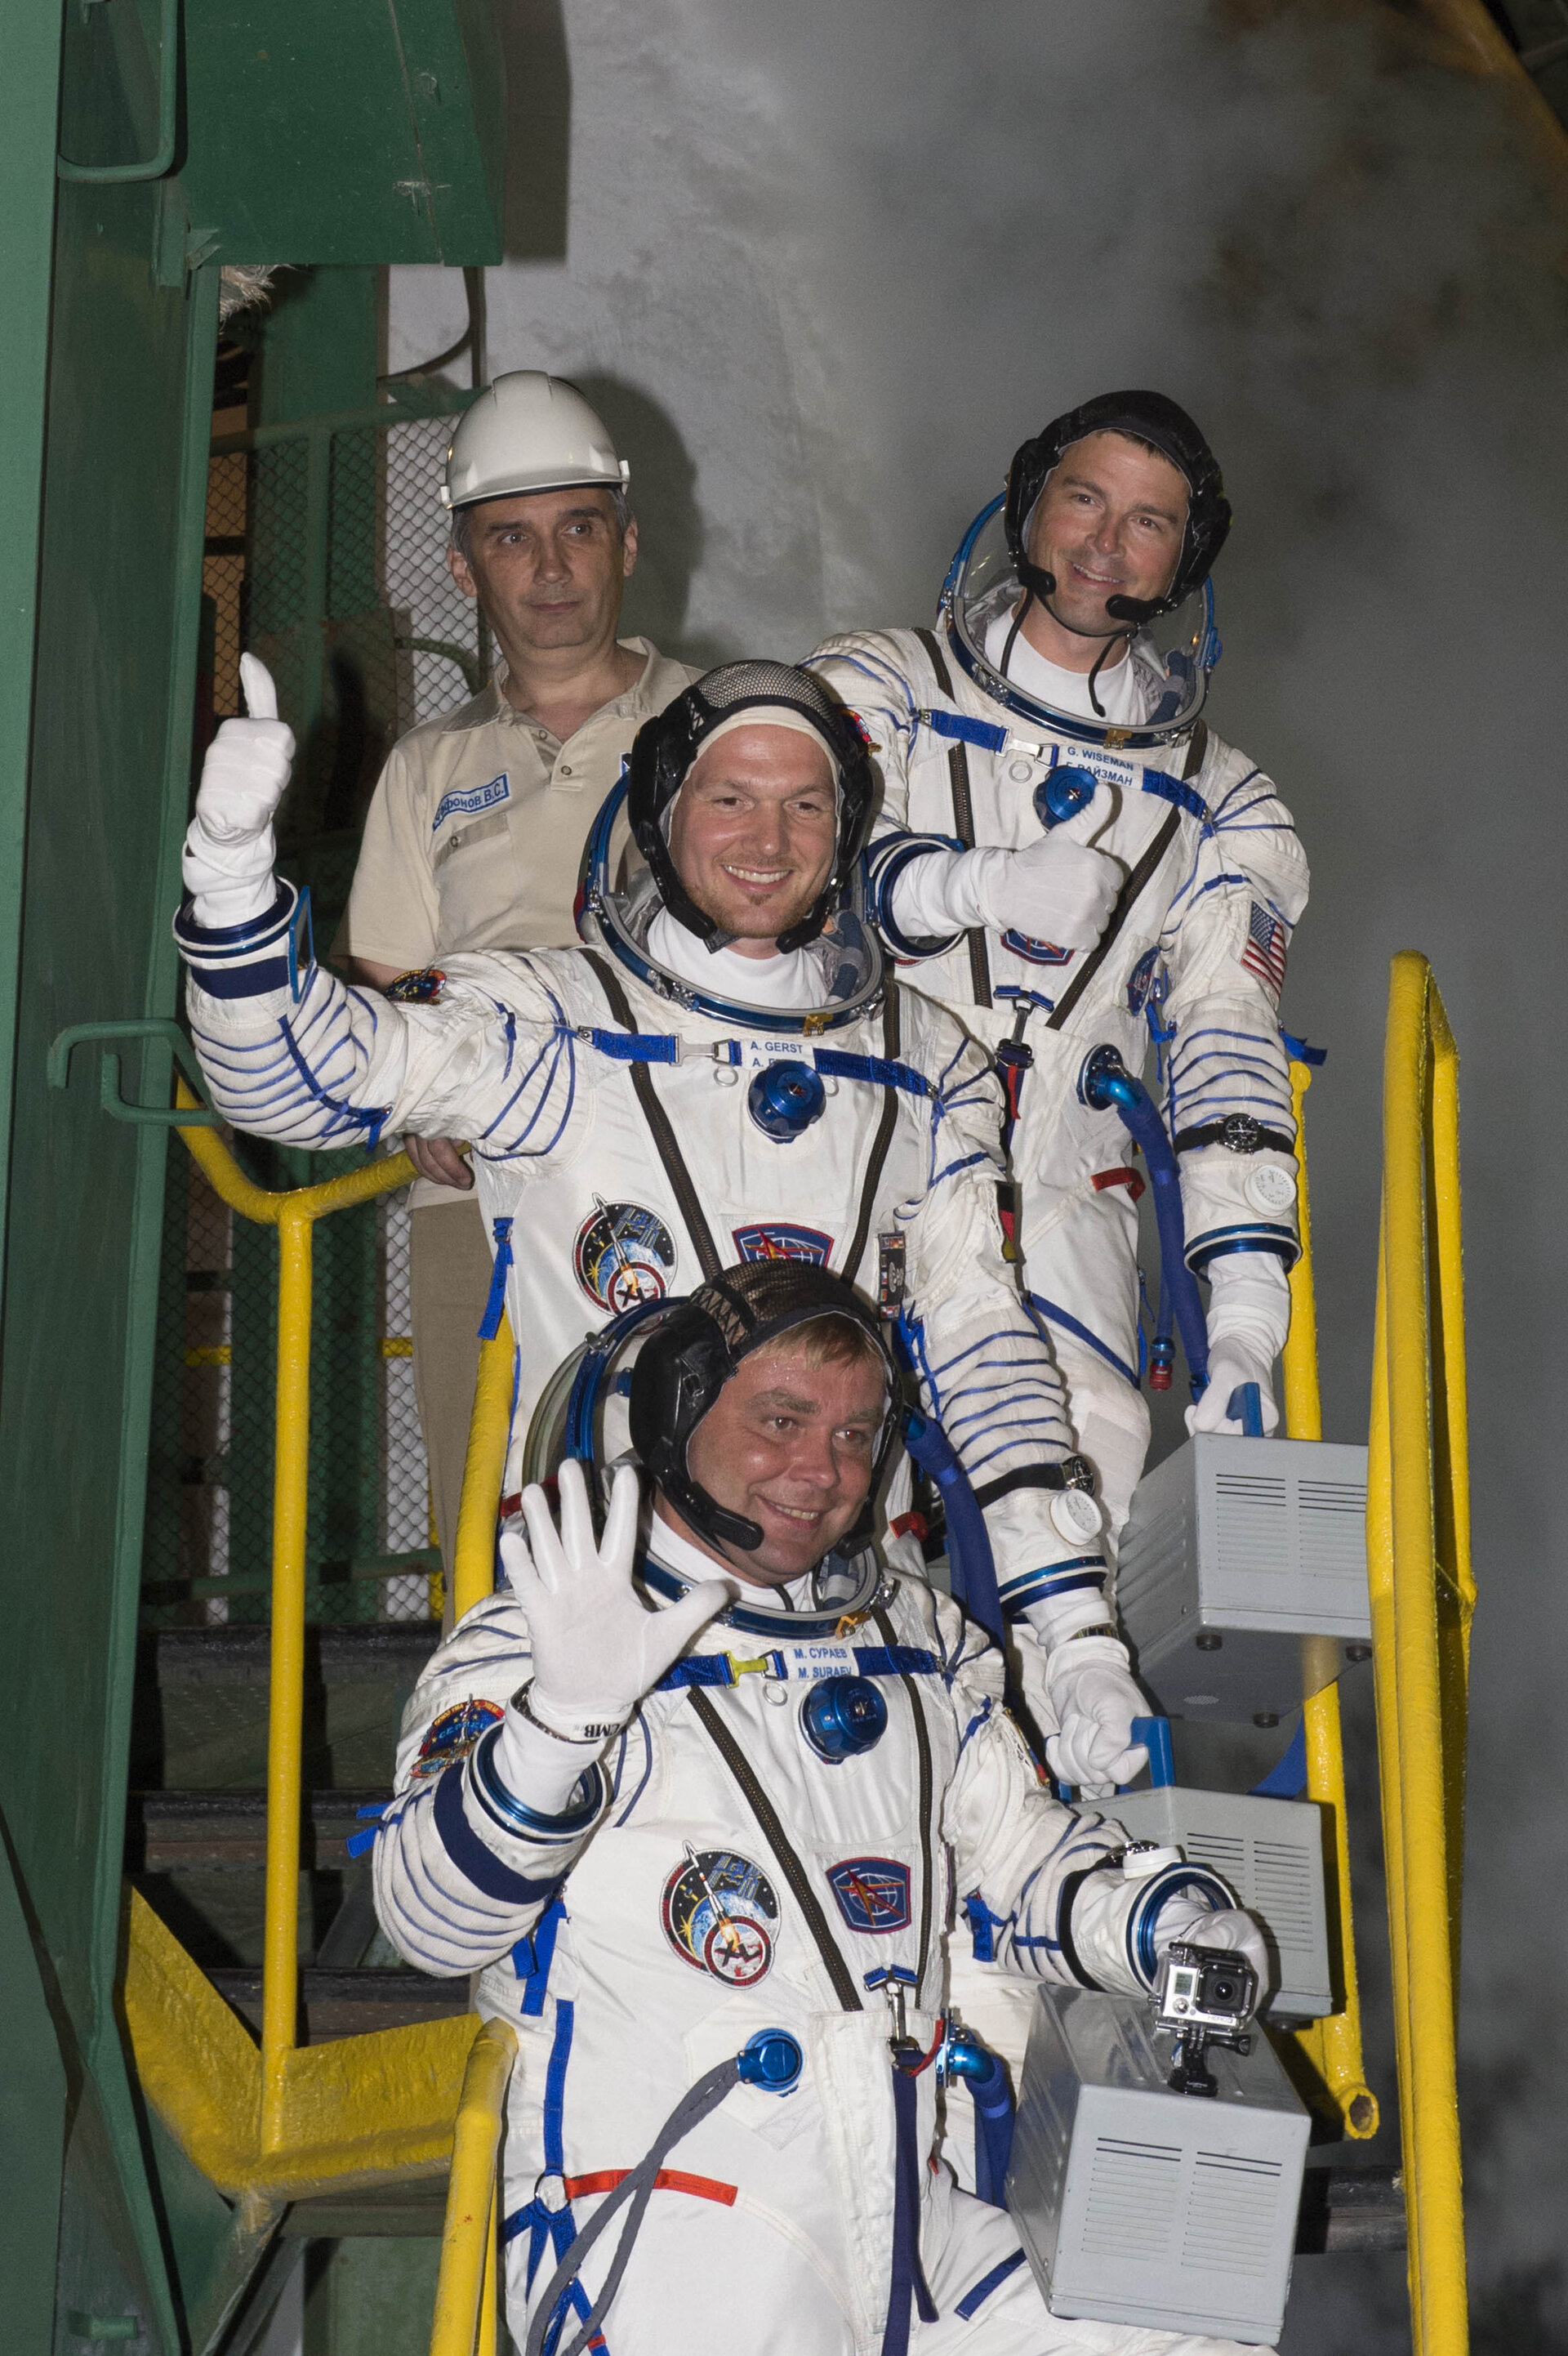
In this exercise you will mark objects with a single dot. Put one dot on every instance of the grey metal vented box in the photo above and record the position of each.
(1243, 1573)
(1270, 1852)
(1136, 2205)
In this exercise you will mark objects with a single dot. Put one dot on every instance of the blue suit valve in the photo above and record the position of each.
(771, 2059)
(964, 2056)
(1062, 795)
(841, 1717)
(784, 1099)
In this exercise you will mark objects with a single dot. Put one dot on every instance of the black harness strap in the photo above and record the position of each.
(963, 820)
(1130, 893)
(881, 1142)
(922, 1753)
(777, 1839)
(663, 1135)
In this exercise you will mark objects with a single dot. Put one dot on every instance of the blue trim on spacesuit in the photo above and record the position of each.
(975, 2298)
(1057, 1316)
(751, 1623)
(468, 1853)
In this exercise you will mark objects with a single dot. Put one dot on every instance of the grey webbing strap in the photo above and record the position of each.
(636, 2186)
(1128, 896)
(881, 1142)
(963, 821)
(660, 1128)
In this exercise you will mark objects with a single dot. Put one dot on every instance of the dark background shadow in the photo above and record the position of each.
(670, 519)
(539, 129)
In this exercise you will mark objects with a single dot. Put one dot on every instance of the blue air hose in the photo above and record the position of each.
(972, 1568)
(1105, 1081)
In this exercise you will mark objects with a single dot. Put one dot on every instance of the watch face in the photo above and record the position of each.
(1076, 1514)
(1269, 1188)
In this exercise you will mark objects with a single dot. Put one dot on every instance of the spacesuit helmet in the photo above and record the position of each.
(1174, 643)
(691, 1353)
(665, 750)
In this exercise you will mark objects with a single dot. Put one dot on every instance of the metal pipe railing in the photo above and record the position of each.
(293, 1214)
(484, 1468)
(465, 2287)
(1333, 2046)
(1418, 1499)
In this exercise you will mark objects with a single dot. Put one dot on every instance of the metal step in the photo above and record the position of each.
(168, 1831)
(349, 2003)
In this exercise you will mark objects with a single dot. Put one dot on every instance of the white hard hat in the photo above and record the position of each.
(529, 432)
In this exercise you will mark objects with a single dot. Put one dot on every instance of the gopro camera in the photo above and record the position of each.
(1204, 1987)
(1203, 1996)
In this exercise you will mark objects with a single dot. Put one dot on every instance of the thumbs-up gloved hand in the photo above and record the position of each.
(229, 848)
(1058, 889)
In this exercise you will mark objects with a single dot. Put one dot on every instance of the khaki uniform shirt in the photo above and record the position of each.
(474, 834)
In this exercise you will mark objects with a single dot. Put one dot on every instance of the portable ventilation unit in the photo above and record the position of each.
(1242, 1574)
(1139, 2205)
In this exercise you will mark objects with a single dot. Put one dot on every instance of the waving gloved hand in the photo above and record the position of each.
(597, 1647)
(1057, 889)
(1249, 1317)
(1094, 1701)
(1182, 1917)
(229, 848)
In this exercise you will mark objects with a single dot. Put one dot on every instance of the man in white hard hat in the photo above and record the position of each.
(476, 830)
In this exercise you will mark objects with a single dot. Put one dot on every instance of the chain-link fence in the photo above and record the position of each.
(325, 555)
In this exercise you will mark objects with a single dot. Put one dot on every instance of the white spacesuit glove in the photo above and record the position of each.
(1054, 890)
(228, 847)
(597, 1648)
(1093, 1701)
(1249, 1317)
(1182, 1917)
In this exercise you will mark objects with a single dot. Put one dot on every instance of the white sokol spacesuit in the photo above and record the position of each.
(634, 1129)
(969, 727)
(720, 1882)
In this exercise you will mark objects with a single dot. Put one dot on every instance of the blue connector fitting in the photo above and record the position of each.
(1062, 795)
(1106, 1083)
(842, 1717)
(784, 1099)
(964, 2056)
(772, 2060)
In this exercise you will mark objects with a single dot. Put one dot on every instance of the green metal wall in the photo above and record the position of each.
(110, 280)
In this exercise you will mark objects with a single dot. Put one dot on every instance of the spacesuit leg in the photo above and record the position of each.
(988, 2300)
(704, 2279)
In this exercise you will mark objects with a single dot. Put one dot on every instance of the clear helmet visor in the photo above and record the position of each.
(1172, 656)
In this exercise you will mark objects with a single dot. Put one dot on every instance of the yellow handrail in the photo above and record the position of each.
(466, 2290)
(484, 1469)
(293, 1213)
(1417, 1503)
(1333, 2046)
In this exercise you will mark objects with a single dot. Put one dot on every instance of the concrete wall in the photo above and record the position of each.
(822, 269)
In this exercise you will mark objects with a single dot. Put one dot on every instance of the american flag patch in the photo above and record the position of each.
(1266, 945)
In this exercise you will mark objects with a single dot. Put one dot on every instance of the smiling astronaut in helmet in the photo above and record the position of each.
(725, 1070)
(751, 805)
(1077, 860)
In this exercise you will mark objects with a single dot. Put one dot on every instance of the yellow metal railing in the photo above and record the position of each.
(1423, 1592)
(294, 1215)
(1333, 2047)
(465, 2287)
